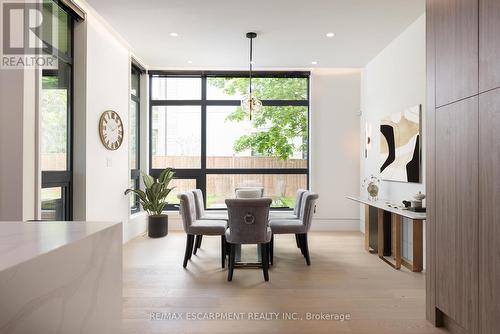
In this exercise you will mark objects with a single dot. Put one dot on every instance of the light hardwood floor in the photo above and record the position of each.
(343, 278)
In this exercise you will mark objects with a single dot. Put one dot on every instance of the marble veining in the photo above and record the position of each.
(22, 241)
(73, 285)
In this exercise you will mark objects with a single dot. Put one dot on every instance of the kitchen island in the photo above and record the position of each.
(60, 277)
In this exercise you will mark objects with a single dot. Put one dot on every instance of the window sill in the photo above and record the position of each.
(138, 214)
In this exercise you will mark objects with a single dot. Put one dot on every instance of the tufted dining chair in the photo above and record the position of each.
(193, 226)
(300, 226)
(290, 214)
(249, 192)
(201, 214)
(248, 224)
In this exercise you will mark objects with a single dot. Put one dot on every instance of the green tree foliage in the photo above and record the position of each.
(54, 116)
(276, 127)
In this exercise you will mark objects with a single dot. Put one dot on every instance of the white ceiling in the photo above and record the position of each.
(291, 32)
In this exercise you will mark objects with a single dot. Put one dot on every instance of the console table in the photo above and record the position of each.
(383, 210)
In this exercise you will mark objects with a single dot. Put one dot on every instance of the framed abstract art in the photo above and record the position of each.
(400, 146)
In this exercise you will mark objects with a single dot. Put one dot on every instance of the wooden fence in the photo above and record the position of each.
(220, 186)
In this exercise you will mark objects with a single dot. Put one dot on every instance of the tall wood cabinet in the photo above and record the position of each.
(463, 165)
(456, 37)
(489, 211)
(489, 45)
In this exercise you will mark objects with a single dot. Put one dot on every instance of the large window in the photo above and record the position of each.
(56, 121)
(199, 129)
(134, 135)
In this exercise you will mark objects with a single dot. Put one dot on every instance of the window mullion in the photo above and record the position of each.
(203, 177)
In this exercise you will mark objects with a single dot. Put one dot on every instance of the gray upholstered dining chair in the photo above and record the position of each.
(300, 227)
(193, 226)
(202, 215)
(249, 192)
(290, 214)
(248, 224)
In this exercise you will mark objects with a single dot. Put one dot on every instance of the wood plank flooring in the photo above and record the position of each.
(343, 278)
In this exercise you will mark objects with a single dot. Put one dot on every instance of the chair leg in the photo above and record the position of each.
(301, 244)
(297, 240)
(306, 248)
(189, 247)
(265, 263)
(271, 250)
(223, 250)
(232, 252)
(197, 243)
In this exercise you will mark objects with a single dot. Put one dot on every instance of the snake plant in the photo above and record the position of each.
(153, 200)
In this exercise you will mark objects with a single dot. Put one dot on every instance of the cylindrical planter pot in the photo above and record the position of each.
(157, 226)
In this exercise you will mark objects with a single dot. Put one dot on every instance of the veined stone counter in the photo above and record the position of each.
(60, 277)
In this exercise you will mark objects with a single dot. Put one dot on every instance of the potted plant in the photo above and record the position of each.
(153, 200)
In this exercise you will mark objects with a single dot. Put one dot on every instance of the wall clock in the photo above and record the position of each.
(111, 130)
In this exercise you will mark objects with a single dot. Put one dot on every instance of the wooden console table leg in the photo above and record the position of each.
(367, 228)
(396, 221)
(380, 232)
(418, 263)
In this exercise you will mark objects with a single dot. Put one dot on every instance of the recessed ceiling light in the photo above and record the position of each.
(189, 61)
(314, 62)
(330, 34)
(174, 34)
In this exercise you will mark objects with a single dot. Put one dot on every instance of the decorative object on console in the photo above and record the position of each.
(372, 187)
(153, 200)
(400, 146)
(111, 130)
(416, 204)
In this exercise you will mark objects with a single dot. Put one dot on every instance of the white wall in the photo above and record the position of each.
(102, 69)
(18, 177)
(393, 81)
(335, 105)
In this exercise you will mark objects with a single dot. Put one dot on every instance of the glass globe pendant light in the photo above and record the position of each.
(250, 103)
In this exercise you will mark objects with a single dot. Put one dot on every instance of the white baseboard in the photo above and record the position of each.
(332, 224)
(136, 226)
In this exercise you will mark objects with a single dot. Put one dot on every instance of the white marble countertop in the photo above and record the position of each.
(22, 241)
(382, 204)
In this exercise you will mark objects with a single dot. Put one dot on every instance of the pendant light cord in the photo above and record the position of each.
(251, 65)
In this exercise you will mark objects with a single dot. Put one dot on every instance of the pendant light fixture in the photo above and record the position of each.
(250, 103)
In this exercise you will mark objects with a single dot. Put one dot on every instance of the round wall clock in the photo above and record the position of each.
(111, 130)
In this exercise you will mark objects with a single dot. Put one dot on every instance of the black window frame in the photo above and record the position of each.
(200, 174)
(64, 179)
(135, 173)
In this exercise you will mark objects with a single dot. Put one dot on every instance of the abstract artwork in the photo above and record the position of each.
(400, 146)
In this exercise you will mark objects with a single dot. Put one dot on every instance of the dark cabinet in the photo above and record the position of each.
(456, 49)
(489, 211)
(489, 44)
(456, 219)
